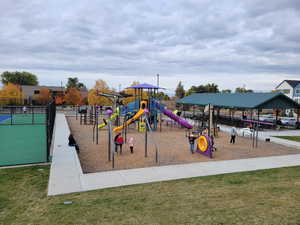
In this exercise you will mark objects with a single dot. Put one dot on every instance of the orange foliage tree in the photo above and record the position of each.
(73, 97)
(130, 91)
(44, 96)
(11, 94)
(100, 87)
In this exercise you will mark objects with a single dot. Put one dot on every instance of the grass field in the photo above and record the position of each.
(291, 138)
(261, 197)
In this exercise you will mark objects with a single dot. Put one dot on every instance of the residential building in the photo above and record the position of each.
(290, 88)
(30, 91)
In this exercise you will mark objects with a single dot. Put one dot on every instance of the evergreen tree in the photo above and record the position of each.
(179, 92)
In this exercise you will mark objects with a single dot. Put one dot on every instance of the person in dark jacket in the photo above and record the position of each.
(72, 141)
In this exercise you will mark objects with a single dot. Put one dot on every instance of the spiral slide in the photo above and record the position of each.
(174, 117)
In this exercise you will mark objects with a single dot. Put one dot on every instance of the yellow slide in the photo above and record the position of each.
(143, 106)
(135, 117)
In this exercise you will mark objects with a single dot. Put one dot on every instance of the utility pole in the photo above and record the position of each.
(157, 80)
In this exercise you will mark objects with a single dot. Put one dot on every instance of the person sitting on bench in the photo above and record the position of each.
(72, 142)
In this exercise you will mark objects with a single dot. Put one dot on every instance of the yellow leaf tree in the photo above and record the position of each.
(44, 96)
(93, 97)
(11, 94)
(132, 92)
(73, 97)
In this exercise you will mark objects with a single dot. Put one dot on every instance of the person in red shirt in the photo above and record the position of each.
(119, 141)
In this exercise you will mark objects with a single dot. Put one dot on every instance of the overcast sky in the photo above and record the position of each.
(231, 43)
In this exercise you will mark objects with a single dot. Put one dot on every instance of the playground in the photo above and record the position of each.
(162, 137)
(173, 149)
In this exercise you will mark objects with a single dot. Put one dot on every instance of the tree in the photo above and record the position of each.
(73, 97)
(131, 91)
(208, 88)
(100, 87)
(242, 90)
(179, 92)
(20, 78)
(43, 97)
(11, 94)
(226, 91)
(163, 96)
(74, 83)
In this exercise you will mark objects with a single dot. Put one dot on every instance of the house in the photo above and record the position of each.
(290, 88)
(30, 91)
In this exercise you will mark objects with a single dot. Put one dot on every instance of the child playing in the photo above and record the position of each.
(131, 144)
(192, 139)
(119, 142)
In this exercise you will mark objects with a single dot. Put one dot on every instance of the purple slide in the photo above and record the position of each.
(170, 114)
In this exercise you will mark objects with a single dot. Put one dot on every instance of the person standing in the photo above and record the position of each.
(192, 139)
(24, 109)
(131, 144)
(233, 133)
(116, 142)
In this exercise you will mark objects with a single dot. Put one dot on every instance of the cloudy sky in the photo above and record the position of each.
(231, 43)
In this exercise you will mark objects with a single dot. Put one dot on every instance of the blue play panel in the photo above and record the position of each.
(4, 117)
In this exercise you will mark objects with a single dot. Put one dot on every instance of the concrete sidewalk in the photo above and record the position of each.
(66, 175)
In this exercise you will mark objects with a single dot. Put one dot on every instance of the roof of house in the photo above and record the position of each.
(292, 83)
(31, 87)
(241, 100)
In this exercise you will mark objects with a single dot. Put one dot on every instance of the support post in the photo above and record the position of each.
(256, 141)
(146, 140)
(97, 123)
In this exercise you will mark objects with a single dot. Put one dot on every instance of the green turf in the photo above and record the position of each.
(260, 197)
(22, 144)
(292, 138)
(26, 119)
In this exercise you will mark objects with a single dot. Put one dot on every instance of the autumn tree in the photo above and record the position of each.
(93, 96)
(11, 95)
(20, 78)
(43, 97)
(132, 92)
(73, 97)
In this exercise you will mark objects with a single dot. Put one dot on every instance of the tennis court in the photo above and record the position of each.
(22, 144)
(21, 119)
(23, 139)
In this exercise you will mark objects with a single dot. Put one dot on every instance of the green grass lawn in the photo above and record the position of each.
(292, 138)
(261, 197)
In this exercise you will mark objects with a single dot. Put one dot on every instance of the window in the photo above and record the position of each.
(36, 92)
(298, 91)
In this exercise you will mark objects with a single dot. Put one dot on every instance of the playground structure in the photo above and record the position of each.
(145, 116)
(146, 112)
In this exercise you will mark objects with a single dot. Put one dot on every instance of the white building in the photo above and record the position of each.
(290, 88)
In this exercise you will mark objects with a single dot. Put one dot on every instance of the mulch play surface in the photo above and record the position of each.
(172, 144)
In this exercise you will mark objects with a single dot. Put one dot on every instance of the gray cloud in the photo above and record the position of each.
(188, 38)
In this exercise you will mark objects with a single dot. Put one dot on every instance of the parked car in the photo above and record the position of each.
(267, 118)
(288, 121)
(246, 132)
